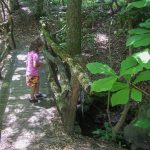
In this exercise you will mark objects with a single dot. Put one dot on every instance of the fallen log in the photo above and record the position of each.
(75, 67)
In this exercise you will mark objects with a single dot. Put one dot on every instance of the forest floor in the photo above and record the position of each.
(27, 126)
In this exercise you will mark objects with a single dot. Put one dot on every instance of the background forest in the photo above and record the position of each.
(98, 56)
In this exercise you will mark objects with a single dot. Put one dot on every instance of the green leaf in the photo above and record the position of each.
(129, 62)
(134, 70)
(145, 41)
(120, 97)
(136, 95)
(130, 66)
(127, 77)
(100, 68)
(103, 84)
(143, 58)
(145, 24)
(119, 86)
(132, 39)
(142, 123)
(143, 76)
(138, 31)
(139, 4)
(138, 40)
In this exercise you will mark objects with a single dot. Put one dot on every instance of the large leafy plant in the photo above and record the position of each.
(139, 36)
(122, 85)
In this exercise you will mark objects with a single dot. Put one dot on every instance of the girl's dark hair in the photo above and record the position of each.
(35, 44)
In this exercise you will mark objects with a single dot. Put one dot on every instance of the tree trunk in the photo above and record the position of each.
(39, 8)
(74, 48)
(70, 113)
(74, 27)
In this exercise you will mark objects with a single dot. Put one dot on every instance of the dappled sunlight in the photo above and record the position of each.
(34, 121)
(87, 54)
(26, 138)
(9, 56)
(27, 10)
(16, 77)
(22, 123)
(11, 118)
(9, 131)
(11, 108)
(24, 97)
(145, 57)
(102, 40)
(22, 143)
(21, 57)
(20, 69)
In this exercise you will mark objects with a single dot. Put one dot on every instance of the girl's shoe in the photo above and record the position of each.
(39, 96)
(33, 100)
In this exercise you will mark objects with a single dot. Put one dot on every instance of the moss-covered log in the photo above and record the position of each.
(75, 67)
(63, 79)
(78, 77)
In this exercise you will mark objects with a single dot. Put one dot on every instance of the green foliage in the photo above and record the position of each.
(105, 134)
(118, 86)
(138, 40)
(103, 84)
(138, 31)
(129, 66)
(145, 24)
(139, 4)
(132, 65)
(97, 67)
(142, 123)
(89, 3)
(136, 95)
(143, 76)
(139, 36)
(120, 97)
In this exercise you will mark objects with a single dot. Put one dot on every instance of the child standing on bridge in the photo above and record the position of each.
(32, 69)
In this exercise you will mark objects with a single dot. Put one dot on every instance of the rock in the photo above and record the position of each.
(138, 136)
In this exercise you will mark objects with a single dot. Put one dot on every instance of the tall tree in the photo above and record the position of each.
(74, 48)
(74, 26)
(39, 8)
